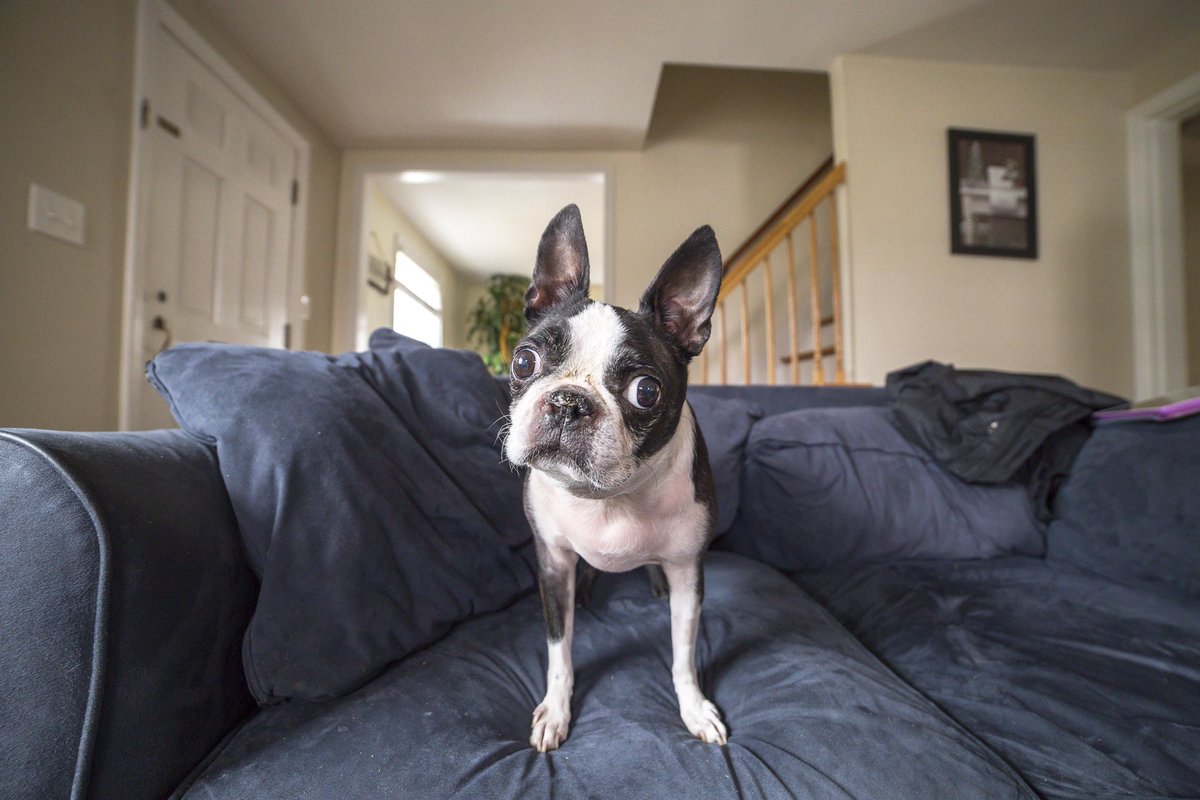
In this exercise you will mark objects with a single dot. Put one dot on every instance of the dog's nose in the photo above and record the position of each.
(569, 405)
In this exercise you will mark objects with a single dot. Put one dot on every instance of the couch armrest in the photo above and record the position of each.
(123, 597)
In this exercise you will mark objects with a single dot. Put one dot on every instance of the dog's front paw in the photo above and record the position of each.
(550, 726)
(703, 721)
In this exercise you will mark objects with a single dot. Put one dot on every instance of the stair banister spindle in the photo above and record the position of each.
(746, 331)
(724, 343)
(839, 356)
(793, 316)
(815, 264)
(770, 320)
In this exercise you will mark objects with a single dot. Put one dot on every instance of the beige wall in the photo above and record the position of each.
(1068, 312)
(66, 125)
(387, 226)
(66, 75)
(723, 149)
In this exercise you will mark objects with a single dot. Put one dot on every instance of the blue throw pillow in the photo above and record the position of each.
(835, 487)
(371, 495)
(725, 424)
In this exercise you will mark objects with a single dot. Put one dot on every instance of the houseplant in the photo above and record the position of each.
(497, 321)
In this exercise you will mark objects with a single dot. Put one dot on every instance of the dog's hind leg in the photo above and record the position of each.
(584, 583)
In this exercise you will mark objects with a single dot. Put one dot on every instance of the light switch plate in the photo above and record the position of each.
(56, 215)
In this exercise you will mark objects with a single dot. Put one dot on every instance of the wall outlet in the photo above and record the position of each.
(56, 215)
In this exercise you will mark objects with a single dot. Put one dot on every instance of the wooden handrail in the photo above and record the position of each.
(736, 272)
(800, 210)
(770, 221)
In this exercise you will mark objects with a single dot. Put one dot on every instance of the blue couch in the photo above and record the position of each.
(1066, 668)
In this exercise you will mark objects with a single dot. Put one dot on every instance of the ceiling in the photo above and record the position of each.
(490, 222)
(581, 74)
(578, 74)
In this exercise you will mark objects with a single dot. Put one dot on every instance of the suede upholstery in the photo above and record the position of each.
(800, 696)
(127, 584)
(124, 592)
(831, 487)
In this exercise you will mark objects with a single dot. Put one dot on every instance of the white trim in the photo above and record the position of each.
(841, 152)
(152, 13)
(350, 285)
(1156, 238)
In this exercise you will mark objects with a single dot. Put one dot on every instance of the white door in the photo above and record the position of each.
(215, 217)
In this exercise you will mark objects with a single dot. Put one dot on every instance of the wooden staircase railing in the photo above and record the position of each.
(777, 238)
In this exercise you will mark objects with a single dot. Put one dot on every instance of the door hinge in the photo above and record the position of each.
(295, 191)
(145, 112)
(168, 126)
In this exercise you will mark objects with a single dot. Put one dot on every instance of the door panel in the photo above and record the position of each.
(218, 216)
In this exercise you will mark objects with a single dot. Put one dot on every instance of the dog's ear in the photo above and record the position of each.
(561, 271)
(681, 298)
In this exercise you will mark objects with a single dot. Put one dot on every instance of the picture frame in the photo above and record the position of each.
(993, 193)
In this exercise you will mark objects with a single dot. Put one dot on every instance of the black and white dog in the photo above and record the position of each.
(619, 471)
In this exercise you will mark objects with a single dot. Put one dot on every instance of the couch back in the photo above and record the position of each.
(1130, 510)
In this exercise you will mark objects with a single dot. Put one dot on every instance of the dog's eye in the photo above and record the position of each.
(525, 363)
(643, 392)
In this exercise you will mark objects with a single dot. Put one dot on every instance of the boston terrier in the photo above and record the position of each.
(619, 474)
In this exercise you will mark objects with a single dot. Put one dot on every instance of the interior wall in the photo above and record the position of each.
(67, 126)
(725, 148)
(1068, 312)
(386, 227)
(1191, 243)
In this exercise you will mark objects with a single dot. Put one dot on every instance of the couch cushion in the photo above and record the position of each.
(1131, 507)
(1088, 688)
(725, 423)
(828, 487)
(371, 497)
(811, 713)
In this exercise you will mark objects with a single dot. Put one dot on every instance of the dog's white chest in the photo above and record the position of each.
(660, 521)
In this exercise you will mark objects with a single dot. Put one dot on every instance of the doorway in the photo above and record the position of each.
(465, 228)
(1190, 158)
(1161, 327)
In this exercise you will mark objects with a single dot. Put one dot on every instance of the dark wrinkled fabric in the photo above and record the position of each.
(124, 597)
(371, 496)
(987, 426)
(725, 424)
(811, 714)
(832, 487)
(1131, 510)
(1090, 689)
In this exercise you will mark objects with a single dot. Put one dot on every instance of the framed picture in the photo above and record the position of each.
(993, 194)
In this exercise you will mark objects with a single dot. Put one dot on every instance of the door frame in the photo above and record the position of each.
(151, 14)
(1156, 237)
(350, 282)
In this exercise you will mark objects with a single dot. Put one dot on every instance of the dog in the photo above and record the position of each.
(618, 471)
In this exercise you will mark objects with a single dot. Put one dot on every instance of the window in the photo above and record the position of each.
(416, 302)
